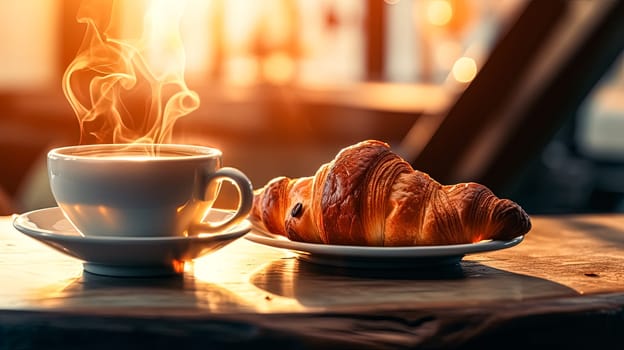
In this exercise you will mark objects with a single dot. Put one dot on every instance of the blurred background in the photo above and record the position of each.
(526, 97)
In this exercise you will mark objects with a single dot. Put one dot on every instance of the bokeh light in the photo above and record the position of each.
(464, 69)
(439, 12)
(278, 68)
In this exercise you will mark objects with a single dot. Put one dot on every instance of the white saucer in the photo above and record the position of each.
(379, 257)
(124, 256)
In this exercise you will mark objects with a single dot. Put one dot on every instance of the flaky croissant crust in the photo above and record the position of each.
(368, 195)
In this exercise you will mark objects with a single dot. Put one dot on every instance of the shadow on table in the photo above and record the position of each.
(609, 234)
(466, 283)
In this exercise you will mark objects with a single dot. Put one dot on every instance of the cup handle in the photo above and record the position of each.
(245, 193)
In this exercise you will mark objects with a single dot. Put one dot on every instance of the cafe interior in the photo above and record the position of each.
(526, 97)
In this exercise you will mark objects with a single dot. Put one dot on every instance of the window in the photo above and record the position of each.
(284, 84)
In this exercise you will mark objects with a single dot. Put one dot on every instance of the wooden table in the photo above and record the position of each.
(563, 285)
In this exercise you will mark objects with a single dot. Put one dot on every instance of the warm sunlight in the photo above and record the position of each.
(278, 68)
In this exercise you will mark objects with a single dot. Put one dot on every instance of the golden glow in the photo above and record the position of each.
(278, 68)
(242, 71)
(107, 215)
(464, 70)
(77, 208)
(239, 22)
(234, 274)
(477, 239)
(126, 83)
(178, 266)
(439, 12)
(102, 210)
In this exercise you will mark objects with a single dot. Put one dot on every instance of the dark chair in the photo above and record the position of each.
(534, 81)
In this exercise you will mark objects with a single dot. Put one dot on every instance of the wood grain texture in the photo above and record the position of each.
(563, 285)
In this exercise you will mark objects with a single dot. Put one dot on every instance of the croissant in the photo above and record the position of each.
(370, 196)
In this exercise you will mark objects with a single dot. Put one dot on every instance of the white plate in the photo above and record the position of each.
(124, 256)
(378, 257)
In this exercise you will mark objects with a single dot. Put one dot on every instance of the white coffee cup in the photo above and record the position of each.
(143, 190)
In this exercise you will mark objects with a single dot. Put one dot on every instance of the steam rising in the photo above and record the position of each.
(128, 86)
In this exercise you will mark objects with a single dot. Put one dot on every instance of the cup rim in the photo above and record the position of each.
(196, 152)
